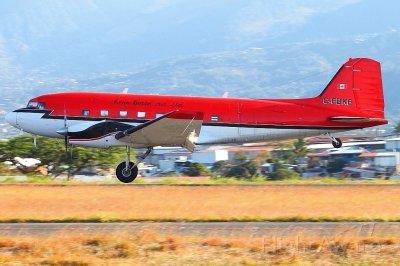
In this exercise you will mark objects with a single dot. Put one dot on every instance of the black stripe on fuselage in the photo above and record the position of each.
(99, 130)
(46, 115)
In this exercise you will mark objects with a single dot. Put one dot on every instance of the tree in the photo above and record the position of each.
(240, 156)
(397, 128)
(239, 172)
(251, 166)
(88, 157)
(284, 174)
(197, 169)
(300, 149)
(260, 157)
(20, 146)
(277, 163)
(3, 149)
(51, 152)
(219, 168)
(293, 151)
(245, 170)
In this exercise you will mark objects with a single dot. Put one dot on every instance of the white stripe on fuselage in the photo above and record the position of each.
(34, 123)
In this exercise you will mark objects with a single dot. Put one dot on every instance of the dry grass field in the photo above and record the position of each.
(147, 248)
(202, 203)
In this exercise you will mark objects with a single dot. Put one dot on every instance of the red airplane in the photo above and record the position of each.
(353, 99)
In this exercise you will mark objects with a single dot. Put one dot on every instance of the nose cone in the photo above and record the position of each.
(11, 118)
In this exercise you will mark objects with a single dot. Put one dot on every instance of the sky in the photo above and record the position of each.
(99, 35)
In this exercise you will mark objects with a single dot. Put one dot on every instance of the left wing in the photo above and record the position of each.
(177, 128)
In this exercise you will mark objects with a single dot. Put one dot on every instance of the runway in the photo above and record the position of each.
(248, 229)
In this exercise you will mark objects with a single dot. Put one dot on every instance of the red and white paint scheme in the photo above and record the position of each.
(353, 99)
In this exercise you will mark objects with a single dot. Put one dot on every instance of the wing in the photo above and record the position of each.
(177, 128)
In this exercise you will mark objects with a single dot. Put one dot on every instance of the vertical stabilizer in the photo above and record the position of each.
(357, 86)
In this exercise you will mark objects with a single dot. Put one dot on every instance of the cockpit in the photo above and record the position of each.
(36, 105)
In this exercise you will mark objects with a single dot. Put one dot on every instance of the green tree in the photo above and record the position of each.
(52, 152)
(88, 157)
(239, 172)
(285, 174)
(397, 128)
(20, 146)
(252, 167)
(296, 149)
(300, 149)
(260, 157)
(197, 169)
(277, 163)
(3, 150)
(245, 170)
(219, 168)
(240, 156)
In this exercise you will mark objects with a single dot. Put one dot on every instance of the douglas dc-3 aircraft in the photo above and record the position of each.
(353, 99)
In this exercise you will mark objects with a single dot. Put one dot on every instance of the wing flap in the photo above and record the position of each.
(177, 128)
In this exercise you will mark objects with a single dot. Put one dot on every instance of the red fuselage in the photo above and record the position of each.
(353, 99)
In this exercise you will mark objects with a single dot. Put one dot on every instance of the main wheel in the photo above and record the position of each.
(337, 143)
(126, 175)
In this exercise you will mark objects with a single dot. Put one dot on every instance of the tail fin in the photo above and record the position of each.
(357, 85)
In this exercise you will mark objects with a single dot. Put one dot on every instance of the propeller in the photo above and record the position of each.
(66, 137)
(64, 131)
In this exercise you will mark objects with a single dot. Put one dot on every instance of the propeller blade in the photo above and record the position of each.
(66, 137)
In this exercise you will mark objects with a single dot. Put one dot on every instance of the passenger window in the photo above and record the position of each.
(85, 112)
(103, 113)
(123, 113)
(214, 118)
(141, 114)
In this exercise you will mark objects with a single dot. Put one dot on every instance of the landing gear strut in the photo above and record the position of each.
(127, 171)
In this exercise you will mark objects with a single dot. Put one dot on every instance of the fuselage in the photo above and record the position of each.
(225, 120)
(353, 99)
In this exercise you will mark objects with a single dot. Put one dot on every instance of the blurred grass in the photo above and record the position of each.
(149, 248)
(92, 203)
(38, 179)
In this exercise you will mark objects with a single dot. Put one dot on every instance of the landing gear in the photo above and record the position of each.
(336, 143)
(127, 171)
(126, 174)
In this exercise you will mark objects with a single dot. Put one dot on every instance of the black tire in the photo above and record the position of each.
(337, 143)
(126, 176)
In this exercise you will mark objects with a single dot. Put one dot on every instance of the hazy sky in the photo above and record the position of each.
(33, 32)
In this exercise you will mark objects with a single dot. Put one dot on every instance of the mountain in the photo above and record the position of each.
(263, 49)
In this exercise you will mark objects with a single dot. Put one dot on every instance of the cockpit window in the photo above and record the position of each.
(36, 105)
(41, 106)
(32, 105)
